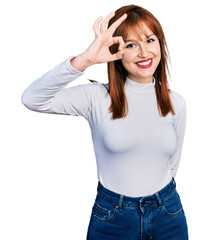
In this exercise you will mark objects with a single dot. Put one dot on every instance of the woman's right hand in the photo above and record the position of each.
(98, 51)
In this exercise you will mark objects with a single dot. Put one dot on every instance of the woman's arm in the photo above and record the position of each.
(81, 62)
(48, 94)
(179, 125)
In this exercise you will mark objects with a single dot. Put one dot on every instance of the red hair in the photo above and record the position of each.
(136, 18)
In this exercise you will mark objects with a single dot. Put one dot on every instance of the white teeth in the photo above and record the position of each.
(145, 63)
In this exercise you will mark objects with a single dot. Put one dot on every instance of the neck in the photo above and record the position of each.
(139, 80)
(141, 88)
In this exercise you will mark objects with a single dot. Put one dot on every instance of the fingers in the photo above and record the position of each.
(121, 51)
(117, 56)
(96, 25)
(119, 40)
(106, 20)
(112, 28)
(114, 25)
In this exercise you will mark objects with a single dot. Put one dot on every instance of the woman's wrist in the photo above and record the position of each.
(81, 62)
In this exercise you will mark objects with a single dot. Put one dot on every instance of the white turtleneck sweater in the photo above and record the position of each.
(137, 155)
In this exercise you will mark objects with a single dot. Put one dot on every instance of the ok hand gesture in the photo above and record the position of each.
(99, 51)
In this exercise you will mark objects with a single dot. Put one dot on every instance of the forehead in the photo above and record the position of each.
(139, 31)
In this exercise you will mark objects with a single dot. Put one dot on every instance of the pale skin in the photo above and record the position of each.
(137, 50)
(129, 52)
(98, 51)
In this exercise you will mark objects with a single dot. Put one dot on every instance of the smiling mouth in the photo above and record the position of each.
(145, 64)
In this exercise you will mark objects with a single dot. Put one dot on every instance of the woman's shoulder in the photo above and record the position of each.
(98, 86)
(106, 85)
(177, 96)
(178, 100)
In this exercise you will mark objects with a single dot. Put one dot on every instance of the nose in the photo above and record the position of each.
(143, 53)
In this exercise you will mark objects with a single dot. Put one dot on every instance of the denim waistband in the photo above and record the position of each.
(142, 202)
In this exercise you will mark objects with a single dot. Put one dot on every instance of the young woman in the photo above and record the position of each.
(137, 125)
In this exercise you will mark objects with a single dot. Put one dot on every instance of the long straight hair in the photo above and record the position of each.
(136, 17)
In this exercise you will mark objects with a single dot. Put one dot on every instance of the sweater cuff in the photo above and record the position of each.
(71, 69)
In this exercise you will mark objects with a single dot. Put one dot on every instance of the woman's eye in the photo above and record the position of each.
(130, 45)
(150, 40)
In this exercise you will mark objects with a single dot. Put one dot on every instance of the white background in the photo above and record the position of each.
(48, 175)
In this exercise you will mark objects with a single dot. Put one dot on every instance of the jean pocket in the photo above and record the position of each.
(172, 205)
(104, 210)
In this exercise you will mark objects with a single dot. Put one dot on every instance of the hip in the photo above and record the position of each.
(157, 216)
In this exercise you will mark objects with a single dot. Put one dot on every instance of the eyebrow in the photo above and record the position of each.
(130, 40)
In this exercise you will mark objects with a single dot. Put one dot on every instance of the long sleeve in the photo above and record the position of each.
(179, 125)
(48, 93)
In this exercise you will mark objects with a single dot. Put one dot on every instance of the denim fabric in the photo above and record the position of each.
(117, 217)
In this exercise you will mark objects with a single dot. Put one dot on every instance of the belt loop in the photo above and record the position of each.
(174, 182)
(120, 202)
(158, 198)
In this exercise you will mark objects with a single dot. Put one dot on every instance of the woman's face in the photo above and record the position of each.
(142, 56)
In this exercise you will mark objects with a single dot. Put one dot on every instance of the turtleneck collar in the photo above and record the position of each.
(142, 88)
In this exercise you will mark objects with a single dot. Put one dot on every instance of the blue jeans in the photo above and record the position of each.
(118, 217)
